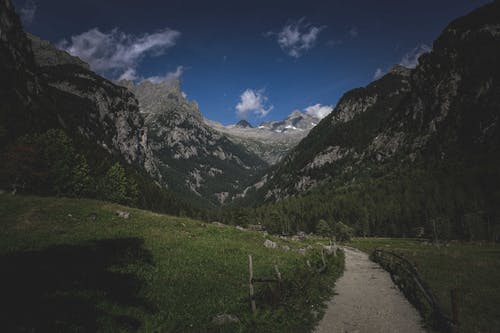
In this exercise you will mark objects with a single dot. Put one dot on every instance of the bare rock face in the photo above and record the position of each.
(43, 88)
(95, 107)
(194, 158)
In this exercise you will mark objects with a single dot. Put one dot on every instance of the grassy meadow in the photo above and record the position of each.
(74, 265)
(473, 268)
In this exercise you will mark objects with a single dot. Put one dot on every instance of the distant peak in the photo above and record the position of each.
(295, 114)
(244, 124)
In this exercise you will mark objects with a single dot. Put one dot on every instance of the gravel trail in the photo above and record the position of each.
(368, 301)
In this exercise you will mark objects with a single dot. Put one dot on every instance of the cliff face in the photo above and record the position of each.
(445, 110)
(194, 158)
(42, 88)
(20, 89)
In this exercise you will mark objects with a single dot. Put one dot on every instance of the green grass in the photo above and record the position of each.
(472, 267)
(64, 271)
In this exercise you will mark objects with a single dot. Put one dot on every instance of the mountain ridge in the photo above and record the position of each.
(413, 149)
(271, 140)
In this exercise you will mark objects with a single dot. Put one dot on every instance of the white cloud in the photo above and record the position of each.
(410, 59)
(319, 111)
(252, 102)
(27, 12)
(353, 32)
(297, 37)
(118, 51)
(167, 77)
(129, 75)
(378, 74)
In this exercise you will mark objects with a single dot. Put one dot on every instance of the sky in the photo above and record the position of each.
(255, 60)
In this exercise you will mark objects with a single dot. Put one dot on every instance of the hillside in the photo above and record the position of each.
(75, 265)
(416, 148)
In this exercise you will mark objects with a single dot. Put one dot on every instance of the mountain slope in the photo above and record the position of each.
(44, 88)
(430, 133)
(46, 93)
(272, 140)
(194, 158)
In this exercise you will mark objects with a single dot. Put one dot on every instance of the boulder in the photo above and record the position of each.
(123, 214)
(270, 244)
(223, 319)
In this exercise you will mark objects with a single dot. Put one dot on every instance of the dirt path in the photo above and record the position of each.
(368, 301)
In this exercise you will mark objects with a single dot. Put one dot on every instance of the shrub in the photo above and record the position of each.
(323, 229)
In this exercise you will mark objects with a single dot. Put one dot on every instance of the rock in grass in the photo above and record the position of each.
(285, 247)
(224, 319)
(302, 251)
(270, 244)
(123, 214)
(218, 224)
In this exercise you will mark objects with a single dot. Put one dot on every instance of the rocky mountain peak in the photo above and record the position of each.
(295, 114)
(163, 97)
(48, 55)
(243, 124)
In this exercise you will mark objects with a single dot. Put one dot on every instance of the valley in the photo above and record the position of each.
(131, 198)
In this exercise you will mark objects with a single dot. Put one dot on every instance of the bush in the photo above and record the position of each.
(323, 229)
(342, 232)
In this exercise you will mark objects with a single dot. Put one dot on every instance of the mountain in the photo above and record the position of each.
(95, 128)
(270, 140)
(194, 158)
(42, 88)
(93, 107)
(243, 124)
(418, 147)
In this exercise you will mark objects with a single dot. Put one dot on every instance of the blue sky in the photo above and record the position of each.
(257, 60)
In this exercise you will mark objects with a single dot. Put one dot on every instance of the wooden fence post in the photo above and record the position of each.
(250, 284)
(278, 274)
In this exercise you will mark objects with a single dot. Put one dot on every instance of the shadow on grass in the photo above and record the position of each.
(58, 289)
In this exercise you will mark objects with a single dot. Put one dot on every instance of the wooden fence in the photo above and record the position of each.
(406, 277)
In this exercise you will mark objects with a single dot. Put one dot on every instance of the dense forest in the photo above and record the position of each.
(442, 201)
